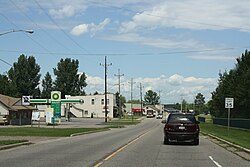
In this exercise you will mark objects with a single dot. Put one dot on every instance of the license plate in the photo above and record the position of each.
(181, 127)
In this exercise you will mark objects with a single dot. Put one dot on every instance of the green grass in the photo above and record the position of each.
(49, 132)
(8, 142)
(237, 136)
(124, 121)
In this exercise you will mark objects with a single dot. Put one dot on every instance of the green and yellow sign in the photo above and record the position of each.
(56, 103)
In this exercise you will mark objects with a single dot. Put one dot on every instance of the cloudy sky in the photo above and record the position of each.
(175, 48)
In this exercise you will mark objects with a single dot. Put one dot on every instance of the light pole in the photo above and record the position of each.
(11, 31)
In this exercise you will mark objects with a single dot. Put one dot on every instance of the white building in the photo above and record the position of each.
(93, 106)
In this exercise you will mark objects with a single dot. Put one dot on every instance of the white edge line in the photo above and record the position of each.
(216, 163)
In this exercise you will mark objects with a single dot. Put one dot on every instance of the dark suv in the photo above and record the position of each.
(181, 127)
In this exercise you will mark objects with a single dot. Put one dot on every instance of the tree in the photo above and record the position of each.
(199, 101)
(120, 100)
(234, 83)
(5, 86)
(68, 80)
(151, 98)
(24, 76)
(96, 93)
(47, 85)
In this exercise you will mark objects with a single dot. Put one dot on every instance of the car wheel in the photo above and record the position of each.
(166, 141)
(196, 142)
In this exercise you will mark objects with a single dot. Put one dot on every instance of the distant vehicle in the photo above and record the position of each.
(159, 116)
(130, 113)
(150, 113)
(181, 127)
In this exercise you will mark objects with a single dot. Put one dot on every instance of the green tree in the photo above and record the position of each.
(68, 80)
(120, 100)
(47, 85)
(235, 84)
(199, 102)
(151, 98)
(5, 86)
(24, 76)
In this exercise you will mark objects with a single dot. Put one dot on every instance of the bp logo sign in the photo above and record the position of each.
(55, 96)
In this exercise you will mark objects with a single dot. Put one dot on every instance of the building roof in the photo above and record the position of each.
(14, 104)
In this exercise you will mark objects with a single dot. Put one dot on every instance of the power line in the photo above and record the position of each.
(127, 54)
(171, 18)
(5, 62)
(59, 43)
(53, 21)
(25, 34)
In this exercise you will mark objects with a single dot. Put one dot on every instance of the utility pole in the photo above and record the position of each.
(119, 91)
(131, 92)
(141, 96)
(105, 65)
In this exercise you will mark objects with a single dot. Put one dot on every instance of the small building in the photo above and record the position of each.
(13, 112)
(93, 106)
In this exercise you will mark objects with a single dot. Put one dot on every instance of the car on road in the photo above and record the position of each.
(159, 116)
(181, 127)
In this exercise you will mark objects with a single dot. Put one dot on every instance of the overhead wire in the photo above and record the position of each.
(54, 22)
(50, 36)
(168, 17)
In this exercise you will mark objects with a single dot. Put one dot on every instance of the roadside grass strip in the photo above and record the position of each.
(8, 142)
(236, 136)
(46, 132)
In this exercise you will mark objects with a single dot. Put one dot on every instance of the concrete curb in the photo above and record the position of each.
(14, 145)
(229, 143)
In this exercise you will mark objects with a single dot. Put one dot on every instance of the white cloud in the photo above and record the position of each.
(65, 11)
(80, 29)
(89, 28)
(155, 41)
(173, 88)
(206, 14)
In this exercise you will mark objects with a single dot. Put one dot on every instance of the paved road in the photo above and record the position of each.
(140, 145)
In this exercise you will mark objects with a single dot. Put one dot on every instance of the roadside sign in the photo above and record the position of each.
(25, 100)
(56, 103)
(55, 96)
(229, 102)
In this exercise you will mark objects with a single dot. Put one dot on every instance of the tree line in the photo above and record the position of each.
(234, 83)
(23, 78)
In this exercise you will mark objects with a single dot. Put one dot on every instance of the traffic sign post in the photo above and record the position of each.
(229, 103)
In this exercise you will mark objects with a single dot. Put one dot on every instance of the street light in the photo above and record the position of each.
(11, 31)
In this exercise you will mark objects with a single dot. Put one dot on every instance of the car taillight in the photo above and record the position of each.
(169, 127)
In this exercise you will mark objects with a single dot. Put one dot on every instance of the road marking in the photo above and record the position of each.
(216, 163)
(120, 149)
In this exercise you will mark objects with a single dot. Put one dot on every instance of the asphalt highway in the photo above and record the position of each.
(137, 145)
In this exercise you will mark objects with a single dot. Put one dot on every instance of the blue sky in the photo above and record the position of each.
(173, 47)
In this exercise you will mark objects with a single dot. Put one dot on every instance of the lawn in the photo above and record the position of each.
(8, 142)
(237, 136)
(50, 132)
(125, 121)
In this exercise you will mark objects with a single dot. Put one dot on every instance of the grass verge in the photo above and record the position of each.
(49, 132)
(237, 136)
(127, 121)
(8, 142)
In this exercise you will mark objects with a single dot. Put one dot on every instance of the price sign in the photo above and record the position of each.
(229, 102)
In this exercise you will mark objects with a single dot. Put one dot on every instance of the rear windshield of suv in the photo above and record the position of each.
(181, 118)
